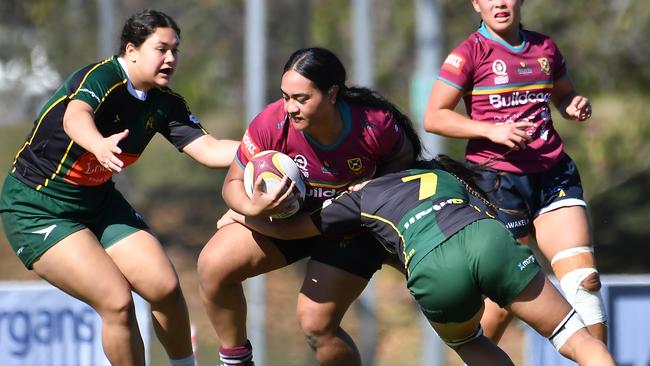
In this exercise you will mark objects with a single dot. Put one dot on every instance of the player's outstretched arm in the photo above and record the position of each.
(79, 125)
(212, 152)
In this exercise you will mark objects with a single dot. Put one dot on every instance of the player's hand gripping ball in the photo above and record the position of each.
(272, 166)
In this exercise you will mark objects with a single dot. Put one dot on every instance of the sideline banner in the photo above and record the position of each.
(41, 325)
(627, 301)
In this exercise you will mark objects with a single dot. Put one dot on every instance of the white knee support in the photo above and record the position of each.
(588, 304)
(454, 343)
(567, 327)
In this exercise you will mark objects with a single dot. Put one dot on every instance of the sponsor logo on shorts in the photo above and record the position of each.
(517, 223)
(46, 232)
(523, 264)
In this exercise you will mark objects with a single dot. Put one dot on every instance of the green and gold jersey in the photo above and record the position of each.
(410, 212)
(51, 162)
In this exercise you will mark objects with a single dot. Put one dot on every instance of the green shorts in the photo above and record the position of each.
(481, 259)
(34, 221)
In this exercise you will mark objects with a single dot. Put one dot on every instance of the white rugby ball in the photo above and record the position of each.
(272, 166)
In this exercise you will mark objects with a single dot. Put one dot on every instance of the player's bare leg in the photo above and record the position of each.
(495, 320)
(542, 307)
(325, 296)
(145, 265)
(467, 340)
(232, 255)
(564, 238)
(79, 266)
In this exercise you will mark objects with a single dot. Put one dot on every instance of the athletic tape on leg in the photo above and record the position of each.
(566, 253)
(588, 304)
(567, 327)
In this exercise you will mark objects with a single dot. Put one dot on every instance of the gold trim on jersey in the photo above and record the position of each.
(496, 90)
(124, 81)
(58, 168)
(38, 125)
(407, 259)
(86, 76)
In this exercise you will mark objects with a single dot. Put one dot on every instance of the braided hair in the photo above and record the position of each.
(464, 174)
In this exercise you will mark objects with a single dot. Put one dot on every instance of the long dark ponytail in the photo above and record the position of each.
(325, 70)
(464, 174)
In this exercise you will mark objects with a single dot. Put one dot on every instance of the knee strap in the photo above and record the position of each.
(454, 343)
(567, 327)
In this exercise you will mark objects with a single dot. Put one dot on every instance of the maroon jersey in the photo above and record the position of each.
(506, 84)
(370, 136)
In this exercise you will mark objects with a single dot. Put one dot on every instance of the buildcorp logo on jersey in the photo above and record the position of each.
(518, 98)
(319, 192)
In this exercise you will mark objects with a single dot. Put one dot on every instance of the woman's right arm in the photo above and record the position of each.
(79, 125)
(262, 203)
(441, 118)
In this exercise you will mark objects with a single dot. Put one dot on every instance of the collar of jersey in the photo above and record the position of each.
(486, 33)
(344, 110)
(137, 94)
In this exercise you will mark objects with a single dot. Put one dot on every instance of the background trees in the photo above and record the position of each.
(604, 42)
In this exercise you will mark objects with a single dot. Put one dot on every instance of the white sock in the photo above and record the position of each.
(187, 361)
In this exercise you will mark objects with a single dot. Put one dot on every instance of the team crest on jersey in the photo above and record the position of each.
(355, 164)
(149, 124)
(301, 162)
(543, 63)
(454, 63)
(500, 69)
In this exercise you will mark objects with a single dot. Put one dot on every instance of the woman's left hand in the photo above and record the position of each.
(579, 108)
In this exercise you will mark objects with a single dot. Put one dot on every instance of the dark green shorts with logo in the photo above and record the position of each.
(34, 221)
(481, 259)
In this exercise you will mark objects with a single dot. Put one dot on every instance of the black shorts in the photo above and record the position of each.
(527, 196)
(362, 255)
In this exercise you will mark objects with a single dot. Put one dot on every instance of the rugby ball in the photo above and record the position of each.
(272, 166)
